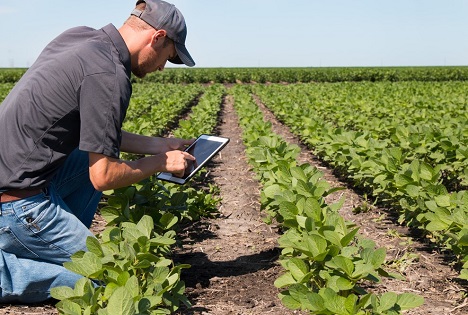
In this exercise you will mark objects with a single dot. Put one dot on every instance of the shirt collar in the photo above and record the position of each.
(120, 45)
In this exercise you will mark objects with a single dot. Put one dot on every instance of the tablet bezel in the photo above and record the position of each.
(179, 180)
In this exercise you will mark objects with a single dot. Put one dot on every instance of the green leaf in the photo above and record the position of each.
(94, 246)
(284, 280)
(62, 293)
(111, 234)
(299, 292)
(154, 300)
(427, 172)
(133, 286)
(111, 215)
(431, 205)
(362, 270)
(83, 287)
(463, 274)
(313, 209)
(443, 201)
(315, 302)
(413, 190)
(463, 241)
(121, 302)
(144, 305)
(402, 180)
(298, 173)
(343, 263)
(160, 274)
(168, 220)
(122, 278)
(304, 189)
(317, 246)
(289, 302)
(378, 257)
(436, 226)
(143, 264)
(305, 222)
(333, 237)
(271, 191)
(297, 267)
(71, 308)
(350, 303)
(335, 303)
(132, 233)
(408, 301)
(146, 225)
(172, 279)
(110, 289)
(288, 210)
(387, 301)
(162, 241)
(86, 266)
(338, 284)
(349, 237)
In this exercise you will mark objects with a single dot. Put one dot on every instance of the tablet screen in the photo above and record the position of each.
(203, 149)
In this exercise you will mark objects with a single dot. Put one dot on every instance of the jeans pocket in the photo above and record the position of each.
(33, 214)
(11, 244)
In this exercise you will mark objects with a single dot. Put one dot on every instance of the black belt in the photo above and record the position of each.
(17, 194)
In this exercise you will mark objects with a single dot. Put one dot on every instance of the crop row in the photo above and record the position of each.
(290, 75)
(128, 268)
(393, 173)
(426, 120)
(327, 263)
(154, 108)
(294, 75)
(5, 89)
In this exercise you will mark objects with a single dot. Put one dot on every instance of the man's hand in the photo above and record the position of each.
(176, 162)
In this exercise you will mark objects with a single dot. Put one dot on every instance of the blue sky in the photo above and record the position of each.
(266, 33)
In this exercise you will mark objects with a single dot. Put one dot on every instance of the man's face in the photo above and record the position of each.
(154, 58)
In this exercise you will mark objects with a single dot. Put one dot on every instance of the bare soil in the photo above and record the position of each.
(234, 256)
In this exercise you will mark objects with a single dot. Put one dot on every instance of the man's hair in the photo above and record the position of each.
(135, 22)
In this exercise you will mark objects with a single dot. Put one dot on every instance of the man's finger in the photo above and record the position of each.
(188, 156)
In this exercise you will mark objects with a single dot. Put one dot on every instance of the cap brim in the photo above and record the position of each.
(183, 56)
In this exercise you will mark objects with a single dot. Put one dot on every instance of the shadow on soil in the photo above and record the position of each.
(203, 269)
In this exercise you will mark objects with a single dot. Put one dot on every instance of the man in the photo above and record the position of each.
(61, 137)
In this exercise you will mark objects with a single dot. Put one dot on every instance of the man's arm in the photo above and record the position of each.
(139, 144)
(110, 173)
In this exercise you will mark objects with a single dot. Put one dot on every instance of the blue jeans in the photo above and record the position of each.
(38, 234)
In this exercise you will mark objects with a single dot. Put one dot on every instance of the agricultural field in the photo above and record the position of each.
(342, 191)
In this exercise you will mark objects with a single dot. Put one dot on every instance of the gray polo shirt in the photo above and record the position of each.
(75, 95)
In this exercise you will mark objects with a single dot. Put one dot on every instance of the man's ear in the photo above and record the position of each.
(158, 35)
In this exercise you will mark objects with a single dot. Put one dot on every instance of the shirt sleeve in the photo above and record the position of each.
(102, 111)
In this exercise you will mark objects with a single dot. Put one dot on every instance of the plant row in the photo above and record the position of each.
(4, 90)
(11, 75)
(408, 181)
(128, 267)
(155, 108)
(328, 265)
(290, 75)
(294, 75)
(428, 121)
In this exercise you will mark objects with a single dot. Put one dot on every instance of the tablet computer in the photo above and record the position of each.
(203, 149)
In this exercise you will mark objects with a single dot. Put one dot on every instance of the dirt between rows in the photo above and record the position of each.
(234, 256)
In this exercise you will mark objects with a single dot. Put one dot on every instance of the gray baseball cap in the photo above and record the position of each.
(165, 16)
